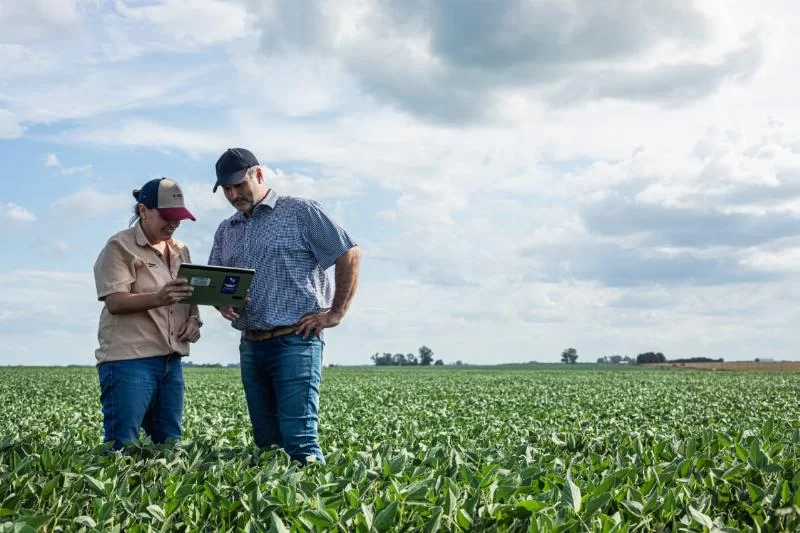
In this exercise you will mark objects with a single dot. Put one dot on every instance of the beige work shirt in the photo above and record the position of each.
(128, 263)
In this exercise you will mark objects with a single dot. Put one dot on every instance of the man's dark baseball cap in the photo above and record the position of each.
(232, 165)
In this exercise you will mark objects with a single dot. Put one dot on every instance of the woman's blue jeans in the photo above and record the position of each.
(142, 393)
(281, 378)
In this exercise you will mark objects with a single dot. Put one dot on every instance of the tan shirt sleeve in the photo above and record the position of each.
(114, 270)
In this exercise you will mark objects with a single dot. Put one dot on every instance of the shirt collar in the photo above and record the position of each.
(270, 200)
(141, 238)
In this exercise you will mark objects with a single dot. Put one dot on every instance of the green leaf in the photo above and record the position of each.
(319, 517)
(596, 503)
(531, 505)
(434, 524)
(156, 511)
(734, 471)
(95, 484)
(18, 527)
(756, 456)
(741, 453)
(276, 524)
(701, 518)
(386, 517)
(367, 514)
(35, 520)
(463, 519)
(87, 521)
(633, 507)
(572, 495)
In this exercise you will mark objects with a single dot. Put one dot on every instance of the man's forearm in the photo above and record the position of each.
(347, 271)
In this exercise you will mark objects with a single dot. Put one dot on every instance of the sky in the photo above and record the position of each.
(522, 176)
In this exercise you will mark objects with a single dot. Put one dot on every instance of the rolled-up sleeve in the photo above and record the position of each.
(326, 240)
(114, 270)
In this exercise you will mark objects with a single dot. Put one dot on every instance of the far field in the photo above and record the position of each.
(739, 366)
(536, 448)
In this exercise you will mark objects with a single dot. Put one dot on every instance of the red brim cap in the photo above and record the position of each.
(175, 213)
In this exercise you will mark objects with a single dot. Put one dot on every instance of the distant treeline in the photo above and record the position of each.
(653, 357)
(697, 360)
(425, 358)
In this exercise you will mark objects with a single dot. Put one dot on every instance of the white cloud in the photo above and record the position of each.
(420, 58)
(35, 19)
(51, 160)
(198, 22)
(15, 213)
(148, 134)
(10, 127)
(89, 202)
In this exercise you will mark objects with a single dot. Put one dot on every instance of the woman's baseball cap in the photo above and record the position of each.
(166, 196)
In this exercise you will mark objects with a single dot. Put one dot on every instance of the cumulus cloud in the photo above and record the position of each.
(28, 20)
(89, 202)
(15, 213)
(672, 84)
(686, 227)
(456, 63)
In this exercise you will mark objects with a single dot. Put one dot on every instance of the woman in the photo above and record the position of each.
(144, 329)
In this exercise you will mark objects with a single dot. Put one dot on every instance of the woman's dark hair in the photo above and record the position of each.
(135, 216)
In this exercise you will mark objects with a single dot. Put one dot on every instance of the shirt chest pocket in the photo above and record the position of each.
(258, 244)
(150, 276)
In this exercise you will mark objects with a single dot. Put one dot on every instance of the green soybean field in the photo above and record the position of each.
(528, 448)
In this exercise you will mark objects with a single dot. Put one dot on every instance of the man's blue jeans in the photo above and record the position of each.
(142, 393)
(281, 378)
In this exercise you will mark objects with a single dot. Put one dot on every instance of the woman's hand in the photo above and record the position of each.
(190, 332)
(174, 291)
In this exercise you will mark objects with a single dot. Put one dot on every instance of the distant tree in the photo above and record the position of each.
(569, 356)
(399, 359)
(411, 359)
(438, 362)
(650, 358)
(459, 363)
(602, 360)
(386, 359)
(425, 356)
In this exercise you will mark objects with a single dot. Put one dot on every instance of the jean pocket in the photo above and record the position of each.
(295, 340)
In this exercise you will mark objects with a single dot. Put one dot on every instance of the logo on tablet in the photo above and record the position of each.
(229, 285)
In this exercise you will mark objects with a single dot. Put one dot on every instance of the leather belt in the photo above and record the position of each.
(264, 334)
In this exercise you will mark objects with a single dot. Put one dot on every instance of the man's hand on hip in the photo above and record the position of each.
(314, 324)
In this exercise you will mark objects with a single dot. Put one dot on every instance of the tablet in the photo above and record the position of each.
(217, 285)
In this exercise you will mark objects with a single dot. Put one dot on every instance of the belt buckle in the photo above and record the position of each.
(259, 334)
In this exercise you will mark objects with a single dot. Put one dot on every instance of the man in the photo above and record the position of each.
(290, 242)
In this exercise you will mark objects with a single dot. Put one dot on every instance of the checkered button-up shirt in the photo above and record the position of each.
(290, 242)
